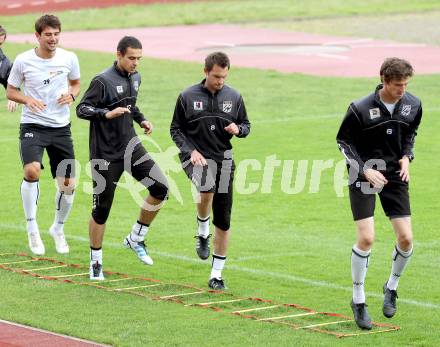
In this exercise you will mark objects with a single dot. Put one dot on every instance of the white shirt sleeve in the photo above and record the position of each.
(16, 77)
(74, 73)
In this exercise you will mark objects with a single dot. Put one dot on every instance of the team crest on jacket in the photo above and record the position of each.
(198, 106)
(227, 106)
(406, 110)
(119, 89)
(136, 85)
(374, 113)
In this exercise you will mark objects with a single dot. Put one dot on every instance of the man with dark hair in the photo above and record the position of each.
(377, 139)
(206, 117)
(110, 105)
(50, 77)
(47, 20)
(5, 69)
(128, 42)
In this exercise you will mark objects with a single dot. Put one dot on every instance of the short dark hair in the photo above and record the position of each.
(217, 58)
(128, 41)
(395, 69)
(2, 31)
(48, 20)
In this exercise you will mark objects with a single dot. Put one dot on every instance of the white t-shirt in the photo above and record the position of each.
(45, 80)
(390, 107)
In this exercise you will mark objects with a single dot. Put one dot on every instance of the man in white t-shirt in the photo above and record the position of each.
(49, 80)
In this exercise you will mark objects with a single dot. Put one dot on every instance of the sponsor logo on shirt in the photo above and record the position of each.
(52, 74)
(119, 89)
(55, 73)
(374, 113)
(227, 106)
(198, 106)
(136, 85)
(406, 110)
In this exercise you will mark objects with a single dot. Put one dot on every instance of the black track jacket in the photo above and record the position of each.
(5, 69)
(110, 89)
(200, 118)
(369, 131)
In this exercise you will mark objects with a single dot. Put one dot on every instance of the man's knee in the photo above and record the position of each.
(222, 217)
(101, 210)
(66, 185)
(32, 171)
(100, 215)
(365, 243)
(405, 241)
(222, 224)
(159, 190)
(365, 230)
(206, 198)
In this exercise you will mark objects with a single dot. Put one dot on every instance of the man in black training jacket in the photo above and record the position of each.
(377, 139)
(110, 106)
(206, 117)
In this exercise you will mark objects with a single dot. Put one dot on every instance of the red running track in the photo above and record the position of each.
(17, 335)
(14, 7)
(285, 51)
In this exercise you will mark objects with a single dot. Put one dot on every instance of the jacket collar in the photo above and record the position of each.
(206, 90)
(119, 71)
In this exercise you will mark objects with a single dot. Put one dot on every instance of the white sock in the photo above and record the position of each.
(96, 255)
(218, 262)
(30, 192)
(359, 267)
(203, 229)
(138, 231)
(400, 260)
(63, 205)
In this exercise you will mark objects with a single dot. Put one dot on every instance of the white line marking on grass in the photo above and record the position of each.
(289, 316)
(259, 257)
(262, 273)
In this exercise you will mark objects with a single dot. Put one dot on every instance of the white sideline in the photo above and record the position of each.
(272, 274)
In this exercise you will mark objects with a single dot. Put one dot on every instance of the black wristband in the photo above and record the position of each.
(73, 98)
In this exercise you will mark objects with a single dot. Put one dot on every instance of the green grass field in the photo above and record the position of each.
(289, 248)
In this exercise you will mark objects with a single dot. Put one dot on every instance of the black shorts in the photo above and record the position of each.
(215, 178)
(58, 143)
(106, 175)
(394, 198)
